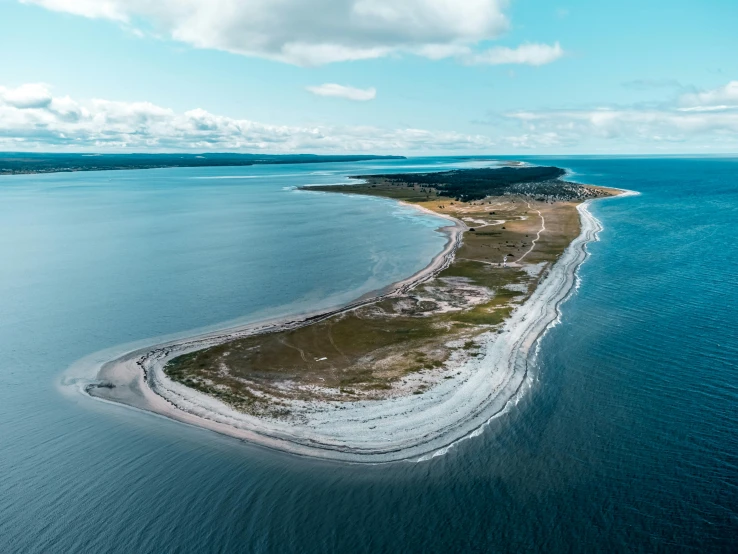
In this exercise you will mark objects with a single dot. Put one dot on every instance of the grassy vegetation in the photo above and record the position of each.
(353, 349)
(368, 352)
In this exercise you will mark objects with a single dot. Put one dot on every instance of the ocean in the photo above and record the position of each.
(627, 440)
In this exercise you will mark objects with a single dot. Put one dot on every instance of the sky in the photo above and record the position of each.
(412, 77)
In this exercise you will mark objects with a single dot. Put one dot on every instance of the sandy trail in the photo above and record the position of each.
(538, 236)
(300, 350)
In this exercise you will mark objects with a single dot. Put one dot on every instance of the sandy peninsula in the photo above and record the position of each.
(400, 374)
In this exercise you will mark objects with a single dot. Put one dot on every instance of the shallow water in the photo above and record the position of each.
(627, 440)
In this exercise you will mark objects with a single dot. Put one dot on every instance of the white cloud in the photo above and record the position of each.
(696, 122)
(630, 125)
(342, 91)
(722, 98)
(31, 95)
(318, 32)
(95, 9)
(32, 118)
(305, 32)
(528, 54)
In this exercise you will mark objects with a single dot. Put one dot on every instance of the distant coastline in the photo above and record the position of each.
(25, 163)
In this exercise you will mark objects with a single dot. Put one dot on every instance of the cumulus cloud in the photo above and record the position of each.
(575, 127)
(342, 91)
(31, 117)
(322, 31)
(31, 95)
(528, 54)
(706, 120)
(719, 99)
(305, 33)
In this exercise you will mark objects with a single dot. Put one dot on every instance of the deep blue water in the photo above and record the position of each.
(627, 442)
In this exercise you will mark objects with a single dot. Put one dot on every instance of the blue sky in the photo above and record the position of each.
(385, 76)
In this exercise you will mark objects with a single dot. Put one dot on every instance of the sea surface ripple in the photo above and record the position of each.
(626, 441)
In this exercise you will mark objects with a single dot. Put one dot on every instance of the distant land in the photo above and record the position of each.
(467, 185)
(15, 163)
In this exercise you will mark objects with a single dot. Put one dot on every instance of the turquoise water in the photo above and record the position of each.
(627, 441)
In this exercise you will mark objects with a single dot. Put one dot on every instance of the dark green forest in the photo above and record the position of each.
(475, 184)
(32, 162)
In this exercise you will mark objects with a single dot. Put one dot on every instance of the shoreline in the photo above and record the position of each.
(402, 428)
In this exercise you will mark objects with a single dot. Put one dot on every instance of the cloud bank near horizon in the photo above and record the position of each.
(705, 119)
(32, 118)
(321, 31)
